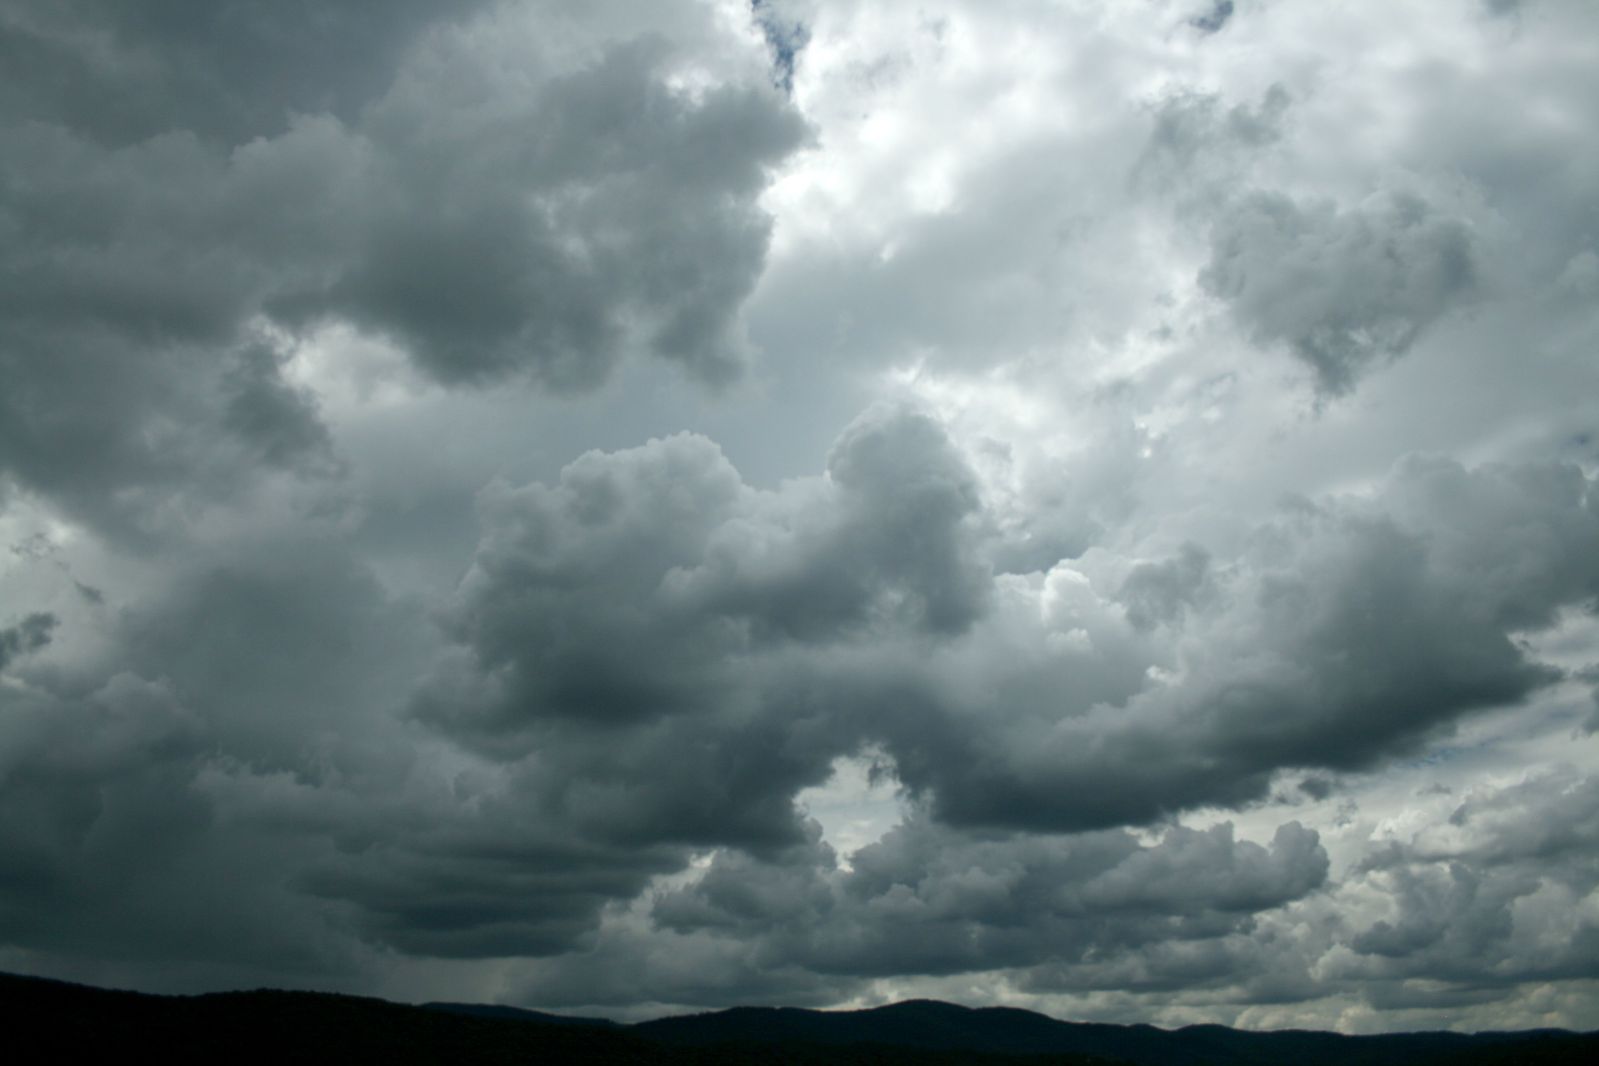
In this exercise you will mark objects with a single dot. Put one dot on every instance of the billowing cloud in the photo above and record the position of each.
(496, 214)
(632, 507)
(650, 610)
(30, 634)
(1342, 289)
(1487, 899)
(922, 900)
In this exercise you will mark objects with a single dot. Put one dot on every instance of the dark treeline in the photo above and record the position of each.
(52, 1021)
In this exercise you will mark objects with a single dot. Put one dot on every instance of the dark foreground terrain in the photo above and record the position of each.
(51, 1021)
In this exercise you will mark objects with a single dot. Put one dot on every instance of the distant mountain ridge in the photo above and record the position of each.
(53, 1021)
(931, 1024)
(521, 1014)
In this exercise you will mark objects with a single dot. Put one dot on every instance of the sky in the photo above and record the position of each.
(631, 508)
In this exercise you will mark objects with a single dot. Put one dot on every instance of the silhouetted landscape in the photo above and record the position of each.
(53, 1021)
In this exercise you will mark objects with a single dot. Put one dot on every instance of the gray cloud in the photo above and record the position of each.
(486, 891)
(651, 593)
(928, 900)
(1343, 289)
(30, 634)
(1158, 592)
(612, 210)
(107, 847)
(1214, 20)
(650, 610)
(1344, 636)
(284, 290)
(1197, 146)
(496, 221)
(278, 419)
(1486, 899)
(648, 656)
(123, 73)
(117, 841)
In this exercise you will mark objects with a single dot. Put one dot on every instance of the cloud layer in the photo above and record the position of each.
(804, 502)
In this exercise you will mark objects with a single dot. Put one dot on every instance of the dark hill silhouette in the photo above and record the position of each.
(521, 1014)
(930, 1024)
(56, 1022)
(52, 1021)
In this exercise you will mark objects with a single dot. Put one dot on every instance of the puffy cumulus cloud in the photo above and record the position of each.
(660, 654)
(1494, 896)
(650, 592)
(628, 631)
(1341, 288)
(608, 210)
(499, 210)
(652, 610)
(1341, 635)
(929, 901)
(924, 900)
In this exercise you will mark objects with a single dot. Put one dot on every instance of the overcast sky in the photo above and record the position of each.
(623, 507)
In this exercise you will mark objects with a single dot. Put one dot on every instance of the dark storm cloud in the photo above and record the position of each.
(1214, 20)
(1344, 289)
(305, 648)
(120, 835)
(229, 71)
(484, 890)
(285, 286)
(30, 634)
(650, 610)
(253, 811)
(928, 900)
(279, 420)
(632, 588)
(288, 641)
(634, 624)
(545, 237)
(532, 223)
(1344, 636)
(998, 900)
(118, 314)
(651, 656)
(110, 852)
